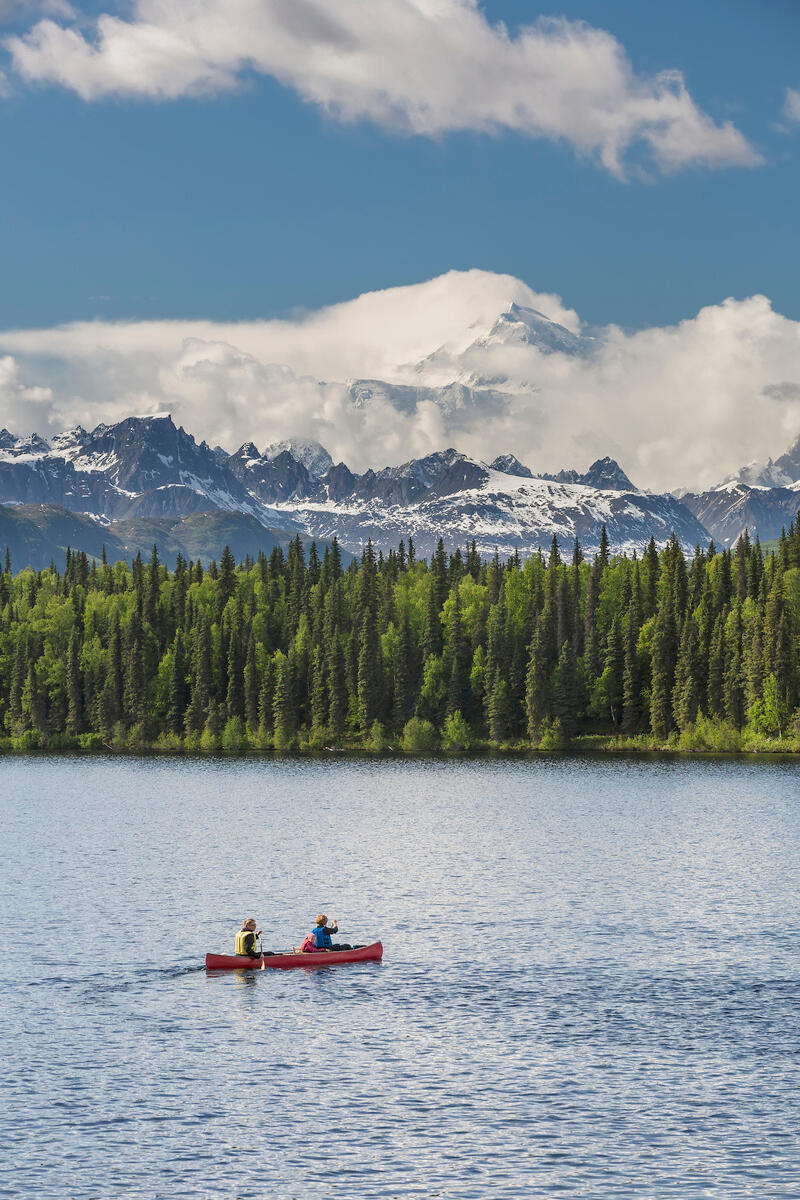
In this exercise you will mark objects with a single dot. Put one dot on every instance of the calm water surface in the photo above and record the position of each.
(591, 985)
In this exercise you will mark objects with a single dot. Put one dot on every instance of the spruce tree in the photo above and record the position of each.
(652, 575)
(234, 700)
(631, 679)
(403, 691)
(266, 698)
(283, 708)
(177, 686)
(112, 698)
(537, 690)
(319, 693)
(499, 711)
(716, 668)
(37, 703)
(663, 670)
(337, 675)
(614, 670)
(74, 719)
(565, 691)
(432, 640)
(226, 581)
(369, 674)
(686, 692)
(733, 679)
(251, 685)
(135, 693)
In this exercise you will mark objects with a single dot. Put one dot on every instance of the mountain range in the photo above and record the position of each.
(145, 479)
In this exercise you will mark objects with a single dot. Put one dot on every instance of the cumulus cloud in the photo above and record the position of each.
(681, 405)
(22, 405)
(417, 66)
(791, 108)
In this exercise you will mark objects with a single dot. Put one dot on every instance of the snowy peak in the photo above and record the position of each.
(782, 473)
(605, 474)
(13, 447)
(510, 465)
(314, 457)
(521, 326)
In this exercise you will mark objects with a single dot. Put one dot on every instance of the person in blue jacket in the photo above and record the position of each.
(322, 935)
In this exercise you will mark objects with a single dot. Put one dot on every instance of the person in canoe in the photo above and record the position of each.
(247, 939)
(322, 935)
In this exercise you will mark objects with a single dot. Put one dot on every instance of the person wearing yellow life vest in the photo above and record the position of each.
(247, 939)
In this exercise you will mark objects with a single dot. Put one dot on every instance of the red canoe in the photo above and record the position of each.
(317, 958)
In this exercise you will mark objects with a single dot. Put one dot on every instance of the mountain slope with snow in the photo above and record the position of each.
(146, 468)
(761, 498)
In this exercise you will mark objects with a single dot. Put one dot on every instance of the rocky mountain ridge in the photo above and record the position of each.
(147, 468)
(762, 498)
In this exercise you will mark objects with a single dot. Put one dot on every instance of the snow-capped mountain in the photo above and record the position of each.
(460, 499)
(762, 498)
(147, 467)
(496, 362)
(521, 326)
(510, 464)
(605, 474)
(140, 466)
(728, 511)
(783, 472)
(314, 458)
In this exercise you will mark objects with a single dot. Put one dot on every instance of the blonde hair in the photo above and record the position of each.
(322, 919)
(247, 921)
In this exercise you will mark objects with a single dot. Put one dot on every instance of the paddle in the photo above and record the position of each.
(261, 944)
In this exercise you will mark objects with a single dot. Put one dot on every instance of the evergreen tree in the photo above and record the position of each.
(74, 721)
(631, 680)
(337, 711)
(565, 691)
(686, 692)
(37, 704)
(235, 692)
(283, 707)
(112, 699)
(369, 674)
(319, 694)
(499, 711)
(663, 670)
(251, 685)
(716, 668)
(226, 581)
(733, 679)
(135, 693)
(266, 700)
(177, 686)
(403, 690)
(432, 641)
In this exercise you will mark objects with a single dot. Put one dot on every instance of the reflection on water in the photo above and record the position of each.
(590, 985)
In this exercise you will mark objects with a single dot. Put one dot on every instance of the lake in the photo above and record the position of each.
(591, 981)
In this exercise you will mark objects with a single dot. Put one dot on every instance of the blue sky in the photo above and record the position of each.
(252, 202)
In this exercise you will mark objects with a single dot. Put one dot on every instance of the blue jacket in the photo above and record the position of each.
(322, 937)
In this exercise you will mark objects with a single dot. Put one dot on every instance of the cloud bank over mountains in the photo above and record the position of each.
(470, 359)
(426, 67)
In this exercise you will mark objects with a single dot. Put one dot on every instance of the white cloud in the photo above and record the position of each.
(791, 108)
(682, 405)
(22, 405)
(419, 66)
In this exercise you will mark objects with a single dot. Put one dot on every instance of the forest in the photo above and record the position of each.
(298, 652)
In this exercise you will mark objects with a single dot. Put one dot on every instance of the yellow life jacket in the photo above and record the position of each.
(240, 941)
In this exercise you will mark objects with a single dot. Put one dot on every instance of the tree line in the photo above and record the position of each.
(297, 650)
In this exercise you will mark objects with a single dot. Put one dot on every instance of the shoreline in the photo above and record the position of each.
(790, 750)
